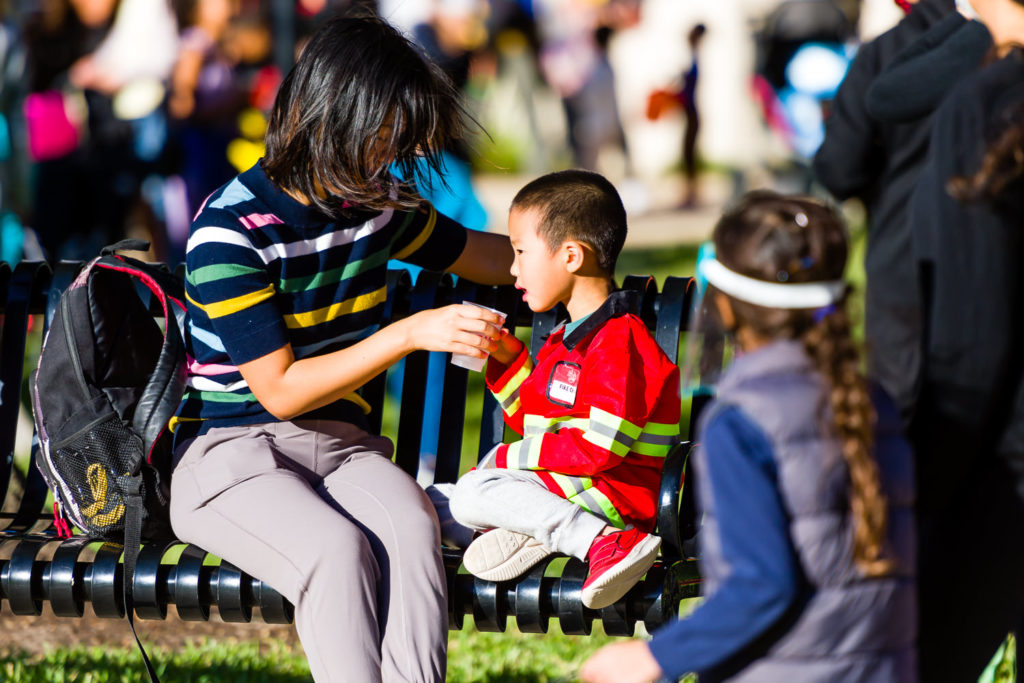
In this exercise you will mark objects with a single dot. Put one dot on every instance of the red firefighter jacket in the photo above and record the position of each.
(598, 413)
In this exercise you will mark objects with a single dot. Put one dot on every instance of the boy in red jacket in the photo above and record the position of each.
(598, 412)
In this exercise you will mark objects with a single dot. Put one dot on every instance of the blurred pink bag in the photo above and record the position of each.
(51, 126)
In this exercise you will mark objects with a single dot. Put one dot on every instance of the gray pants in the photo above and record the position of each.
(518, 500)
(318, 511)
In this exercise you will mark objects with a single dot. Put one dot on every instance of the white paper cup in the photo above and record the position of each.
(470, 362)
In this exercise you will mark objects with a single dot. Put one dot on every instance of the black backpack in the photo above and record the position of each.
(108, 380)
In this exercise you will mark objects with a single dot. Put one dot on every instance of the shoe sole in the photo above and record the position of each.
(616, 582)
(521, 560)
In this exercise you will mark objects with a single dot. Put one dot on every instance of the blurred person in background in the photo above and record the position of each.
(452, 37)
(966, 212)
(683, 95)
(205, 97)
(221, 91)
(249, 45)
(15, 241)
(90, 111)
(574, 37)
(878, 162)
(688, 96)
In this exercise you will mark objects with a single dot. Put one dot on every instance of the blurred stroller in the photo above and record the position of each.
(804, 49)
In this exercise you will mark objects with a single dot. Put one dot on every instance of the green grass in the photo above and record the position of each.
(519, 657)
(473, 657)
(678, 260)
(246, 662)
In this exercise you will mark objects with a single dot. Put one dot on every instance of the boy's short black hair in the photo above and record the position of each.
(577, 205)
(356, 74)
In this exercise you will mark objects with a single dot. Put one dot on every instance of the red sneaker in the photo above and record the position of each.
(617, 562)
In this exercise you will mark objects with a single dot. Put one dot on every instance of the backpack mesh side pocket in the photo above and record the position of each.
(95, 467)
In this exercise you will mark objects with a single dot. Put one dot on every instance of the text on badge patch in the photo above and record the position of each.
(564, 381)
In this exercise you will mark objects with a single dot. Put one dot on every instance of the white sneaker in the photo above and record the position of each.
(502, 555)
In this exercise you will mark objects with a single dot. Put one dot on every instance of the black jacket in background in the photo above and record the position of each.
(915, 83)
(878, 162)
(972, 396)
(968, 428)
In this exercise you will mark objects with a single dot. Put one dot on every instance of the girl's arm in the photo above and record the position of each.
(288, 388)
(486, 259)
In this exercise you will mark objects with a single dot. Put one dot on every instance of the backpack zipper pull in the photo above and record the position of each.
(60, 521)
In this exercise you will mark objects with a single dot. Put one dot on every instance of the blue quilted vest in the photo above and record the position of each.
(848, 627)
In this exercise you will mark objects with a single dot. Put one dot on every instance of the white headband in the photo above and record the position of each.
(771, 294)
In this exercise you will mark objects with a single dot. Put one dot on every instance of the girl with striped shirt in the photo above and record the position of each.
(276, 471)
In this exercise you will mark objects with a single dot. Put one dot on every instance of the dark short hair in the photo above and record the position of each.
(355, 74)
(577, 205)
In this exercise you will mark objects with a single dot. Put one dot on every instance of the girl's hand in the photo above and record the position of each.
(627, 662)
(509, 348)
(458, 328)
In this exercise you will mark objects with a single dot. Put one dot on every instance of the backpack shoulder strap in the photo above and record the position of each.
(160, 398)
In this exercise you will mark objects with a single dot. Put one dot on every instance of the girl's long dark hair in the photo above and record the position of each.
(356, 75)
(790, 239)
(1003, 161)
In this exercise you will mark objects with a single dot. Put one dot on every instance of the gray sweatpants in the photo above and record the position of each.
(518, 500)
(318, 511)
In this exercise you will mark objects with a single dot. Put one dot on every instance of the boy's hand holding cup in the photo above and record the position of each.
(509, 348)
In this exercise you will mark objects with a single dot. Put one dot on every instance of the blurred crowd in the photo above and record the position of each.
(123, 114)
(118, 117)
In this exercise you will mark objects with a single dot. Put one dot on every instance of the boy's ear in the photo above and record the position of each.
(574, 254)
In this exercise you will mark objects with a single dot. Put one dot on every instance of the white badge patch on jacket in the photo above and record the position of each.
(564, 381)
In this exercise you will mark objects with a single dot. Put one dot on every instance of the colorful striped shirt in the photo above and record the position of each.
(264, 270)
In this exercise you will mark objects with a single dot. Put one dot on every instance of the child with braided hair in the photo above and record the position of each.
(806, 483)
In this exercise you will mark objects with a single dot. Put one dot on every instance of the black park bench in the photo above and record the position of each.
(36, 566)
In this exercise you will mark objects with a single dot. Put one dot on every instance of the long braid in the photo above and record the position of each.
(836, 356)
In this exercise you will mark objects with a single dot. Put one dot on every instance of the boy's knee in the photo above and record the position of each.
(465, 497)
